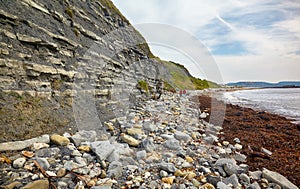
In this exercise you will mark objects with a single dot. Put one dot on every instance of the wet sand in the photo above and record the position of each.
(259, 129)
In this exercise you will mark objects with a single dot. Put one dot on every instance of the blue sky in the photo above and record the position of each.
(249, 40)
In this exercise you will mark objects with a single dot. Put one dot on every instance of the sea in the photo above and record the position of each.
(281, 101)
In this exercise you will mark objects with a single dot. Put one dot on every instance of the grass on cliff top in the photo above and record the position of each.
(182, 79)
(112, 8)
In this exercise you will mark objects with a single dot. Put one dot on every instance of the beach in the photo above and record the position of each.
(260, 129)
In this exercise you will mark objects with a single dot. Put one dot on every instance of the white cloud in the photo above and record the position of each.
(268, 30)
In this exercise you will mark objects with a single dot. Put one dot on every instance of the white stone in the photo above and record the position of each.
(18, 163)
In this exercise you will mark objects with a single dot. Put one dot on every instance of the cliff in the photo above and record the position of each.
(69, 64)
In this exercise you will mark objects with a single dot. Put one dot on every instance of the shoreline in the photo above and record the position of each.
(260, 129)
(218, 93)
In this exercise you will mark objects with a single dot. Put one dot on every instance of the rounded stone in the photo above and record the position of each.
(18, 163)
(59, 140)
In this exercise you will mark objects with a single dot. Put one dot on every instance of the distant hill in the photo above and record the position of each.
(283, 84)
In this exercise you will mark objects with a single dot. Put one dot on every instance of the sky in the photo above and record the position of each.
(251, 40)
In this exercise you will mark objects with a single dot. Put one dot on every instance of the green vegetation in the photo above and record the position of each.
(76, 32)
(70, 12)
(168, 87)
(57, 84)
(182, 79)
(110, 6)
(145, 48)
(143, 85)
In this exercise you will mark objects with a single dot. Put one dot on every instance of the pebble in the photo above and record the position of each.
(141, 154)
(189, 159)
(134, 131)
(182, 136)
(18, 163)
(222, 185)
(256, 175)
(233, 179)
(43, 162)
(169, 167)
(148, 145)
(39, 145)
(172, 144)
(168, 180)
(244, 177)
(59, 140)
(208, 186)
(39, 184)
(163, 173)
(61, 172)
(236, 140)
(130, 140)
(225, 143)
(254, 185)
(238, 146)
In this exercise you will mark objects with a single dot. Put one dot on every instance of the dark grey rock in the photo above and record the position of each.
(149, 127)
(205, 170)
(172, 144)
(83, 136)
(223, 161)
(169, 167)
(127, 161)
(190, 153)
(244, 177)
(141, 154)
(102, 149)
(115, 170)
(88, 157)
(167, 136)
(240, 157)
(48, 152)
(43, 162)
(213, 179)
(77, 168)
(256, 175)
(182, 136)
(233, 179)
(148, 145)
(221, 171)
(231, 169)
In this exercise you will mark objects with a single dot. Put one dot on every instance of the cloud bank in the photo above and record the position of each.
(253, 40)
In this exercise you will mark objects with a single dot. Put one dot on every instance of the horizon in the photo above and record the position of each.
(249, 41)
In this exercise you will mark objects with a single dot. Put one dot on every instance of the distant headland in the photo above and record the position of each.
(282, 84)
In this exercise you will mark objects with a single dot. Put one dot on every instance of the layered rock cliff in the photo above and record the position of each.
(67, 64)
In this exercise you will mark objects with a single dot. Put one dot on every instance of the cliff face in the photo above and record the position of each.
(62, 63)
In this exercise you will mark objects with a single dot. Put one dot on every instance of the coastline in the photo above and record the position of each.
(259, 129)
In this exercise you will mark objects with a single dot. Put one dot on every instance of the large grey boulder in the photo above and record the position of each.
(102, 149)
(278, 179)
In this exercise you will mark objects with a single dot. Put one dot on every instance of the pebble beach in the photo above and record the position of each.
(165, 143)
